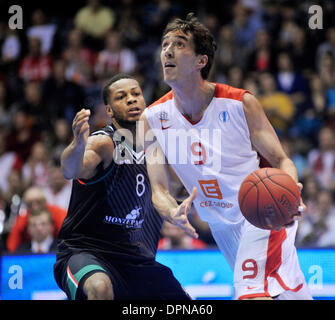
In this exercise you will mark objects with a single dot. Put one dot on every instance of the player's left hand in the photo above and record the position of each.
(302, 206)
(179, 215)
(301, 209)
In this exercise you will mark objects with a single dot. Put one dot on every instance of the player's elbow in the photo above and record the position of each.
(67, 171)
(67, 174)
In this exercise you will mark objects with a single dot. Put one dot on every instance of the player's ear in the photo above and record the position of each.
(202, 60)
(109, 110)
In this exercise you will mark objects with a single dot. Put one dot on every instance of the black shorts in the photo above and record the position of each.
(149, 281)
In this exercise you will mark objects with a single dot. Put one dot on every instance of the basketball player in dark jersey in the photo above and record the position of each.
(108, 241)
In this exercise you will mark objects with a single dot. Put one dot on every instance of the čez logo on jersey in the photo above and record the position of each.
(130, 221)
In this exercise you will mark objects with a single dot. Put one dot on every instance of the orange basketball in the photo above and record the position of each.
(269, 198)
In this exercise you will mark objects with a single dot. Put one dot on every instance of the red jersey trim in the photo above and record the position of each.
(274, 252)
(166, 97)
(229, 92)
(253, 295)
(221, 91)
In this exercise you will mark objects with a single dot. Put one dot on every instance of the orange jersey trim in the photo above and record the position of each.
(254, 295)
(166, 97)
(229, 92)
(221, 91)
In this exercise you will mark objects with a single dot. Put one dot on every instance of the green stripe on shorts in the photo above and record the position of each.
(72, 285)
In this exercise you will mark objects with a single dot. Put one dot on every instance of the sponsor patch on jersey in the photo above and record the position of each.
(224, 116)
(164, 119)
(130, 221)
(217, 204)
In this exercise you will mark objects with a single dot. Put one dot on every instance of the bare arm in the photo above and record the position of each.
(82, 156)
(264, 138)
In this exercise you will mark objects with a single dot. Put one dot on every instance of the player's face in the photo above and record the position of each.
(178, 58)
(126, 100)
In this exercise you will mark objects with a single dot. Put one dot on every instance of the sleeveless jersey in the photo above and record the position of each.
(214, 154)
(112, 213)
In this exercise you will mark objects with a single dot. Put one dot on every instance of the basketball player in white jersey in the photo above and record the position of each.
(211, 135)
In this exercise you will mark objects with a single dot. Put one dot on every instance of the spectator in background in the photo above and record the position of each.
(15, 188)
(11, 47)
(318, 97)
(5, 105)
(59, 138)
(58, 189)
(34, 106)
(302, 50)
(321, 160)
(235, 77)
(9, 161)
(288, 25)
(33, 199)
(43, 30)
(310, 193)
(247, 20)
(250, 83)
(277, 104)
(174, 237)
(318, 229)
(129, 25)
(35, 169)
(326, 70)
(40, 229)
(308, 124)
(262, 57)
(22, 135)
(327, 77)
(292, 82)
(79, 60)
(95, 21)
(62, 97)
(11, 201)
(115, 58)
(228, 54)
(156, 14)
(326, 212)
(327, 47)
(35, 66)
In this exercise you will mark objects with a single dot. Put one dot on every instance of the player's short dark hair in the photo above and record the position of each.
(203, 39)
(117, 77)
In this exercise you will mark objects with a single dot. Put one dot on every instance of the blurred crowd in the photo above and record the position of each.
(57, 65)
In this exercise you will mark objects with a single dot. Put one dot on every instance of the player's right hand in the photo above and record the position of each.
(179, 215)
(80, 126)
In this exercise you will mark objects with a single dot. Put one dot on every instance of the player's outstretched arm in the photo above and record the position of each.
(160, 180)
(82, 156)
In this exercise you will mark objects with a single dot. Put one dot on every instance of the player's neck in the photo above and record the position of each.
(127, 129)
(193, 98)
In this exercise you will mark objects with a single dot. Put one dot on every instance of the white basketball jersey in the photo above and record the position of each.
(214, 154)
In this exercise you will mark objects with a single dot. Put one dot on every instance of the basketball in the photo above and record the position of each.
(269, 198)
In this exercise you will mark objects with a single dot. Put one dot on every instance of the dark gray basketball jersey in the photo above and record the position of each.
(112, 213)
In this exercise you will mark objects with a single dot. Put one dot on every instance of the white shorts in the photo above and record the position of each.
(265, 262)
